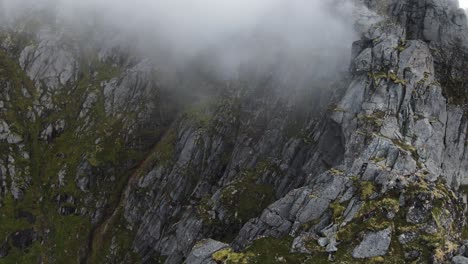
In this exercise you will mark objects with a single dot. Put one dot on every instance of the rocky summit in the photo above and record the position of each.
(105, 161)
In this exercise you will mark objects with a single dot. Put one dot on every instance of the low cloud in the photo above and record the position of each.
(298, 37)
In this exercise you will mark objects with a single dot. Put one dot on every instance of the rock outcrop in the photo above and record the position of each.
(100, 163)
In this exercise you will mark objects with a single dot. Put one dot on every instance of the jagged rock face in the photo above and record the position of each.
(400, 133)
(98, 166)
(369, 169)
(440, 21)
(67, 121)
(212, 165)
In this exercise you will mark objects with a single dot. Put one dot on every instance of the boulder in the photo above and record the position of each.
(202, 251)
(374, 244)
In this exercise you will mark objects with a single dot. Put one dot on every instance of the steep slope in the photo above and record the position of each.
(377, 165)
(101, 163)
(73, 127)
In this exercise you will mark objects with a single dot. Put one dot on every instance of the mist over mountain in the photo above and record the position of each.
(229, 35)
(232, 132)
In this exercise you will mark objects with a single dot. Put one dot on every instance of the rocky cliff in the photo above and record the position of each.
(103, 162)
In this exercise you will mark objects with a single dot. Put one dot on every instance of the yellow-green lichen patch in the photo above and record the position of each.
(230, 257)
(407, 147)
(366, 189)
(375, 119)
(385, 211)
(337, 210)
(394, 77)
(377, 76)
(336, 172)
(267, 250)
(400, 48)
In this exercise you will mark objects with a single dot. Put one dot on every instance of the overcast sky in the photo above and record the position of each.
(464, 3)
(315, 35)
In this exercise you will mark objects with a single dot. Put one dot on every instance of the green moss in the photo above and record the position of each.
(266, 251)
(394, 77)
(374, 119)
(246, 198)
(97, 138)
(308, 225)
(377, 76)
(406, 147)
(337, 209)
(241, 200)
(371, 217)
(377, 260)
(377, 159)
(400, 48)
(229, 257)
(436, 215)
(366, 189)
(464, 234)
(116, 235)
(203, 209)
(336, 172)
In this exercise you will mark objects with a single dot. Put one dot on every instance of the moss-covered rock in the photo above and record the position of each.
(246, 198)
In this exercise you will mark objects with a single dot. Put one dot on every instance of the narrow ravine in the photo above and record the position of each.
(99, 230)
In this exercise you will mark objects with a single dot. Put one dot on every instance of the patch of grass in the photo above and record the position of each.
(406, 147)
(377, 76)
(96, 138)
(230, 257)
(366, 189)
(337, 210)
(336, 172)
(394, 77)
(268, 250)
(246, 198)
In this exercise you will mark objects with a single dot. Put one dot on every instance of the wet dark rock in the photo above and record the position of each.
(67, 210)
(412, 255)
(23, 239)
(418, 212)
(27, 215)
(4, 249)
(405, 238)
(463, 250)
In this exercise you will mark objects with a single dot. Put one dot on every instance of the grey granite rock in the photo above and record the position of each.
(405, 238)
(460, 260)
(374, 244)
(202, 251)
(390, 124)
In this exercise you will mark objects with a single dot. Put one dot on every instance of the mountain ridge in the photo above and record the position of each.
(105, 161)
